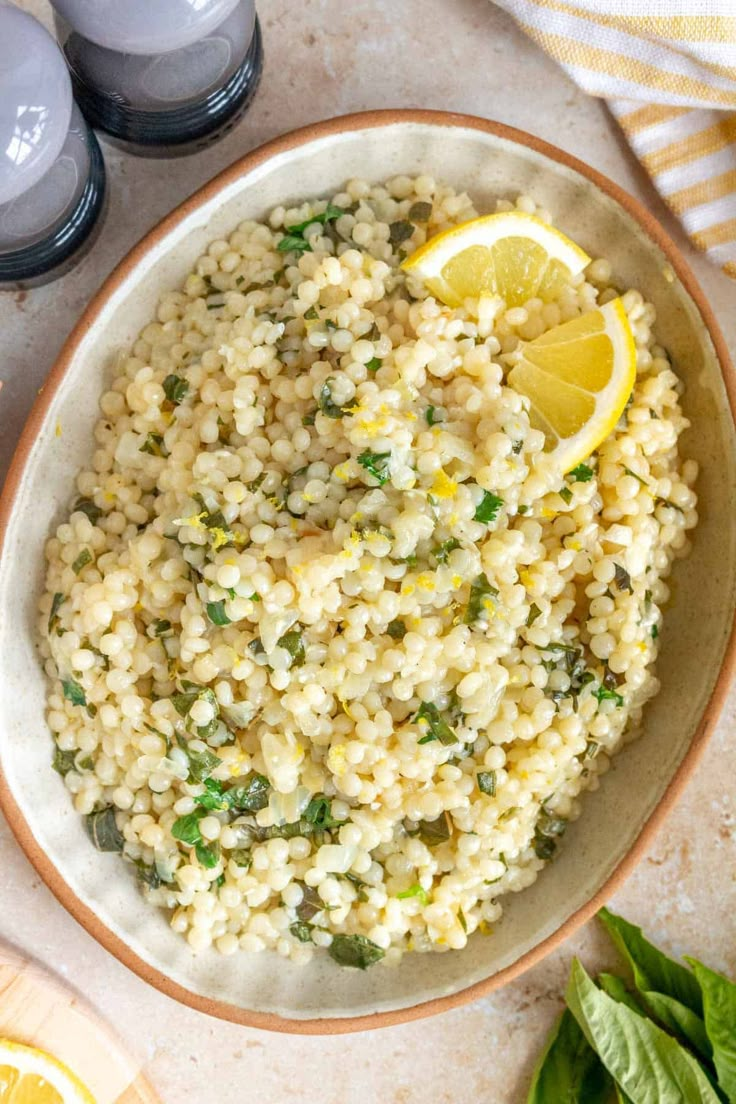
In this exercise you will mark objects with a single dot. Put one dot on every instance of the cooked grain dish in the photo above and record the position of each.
(333, 649)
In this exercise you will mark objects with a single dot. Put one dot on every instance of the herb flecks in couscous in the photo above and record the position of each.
(334, 653)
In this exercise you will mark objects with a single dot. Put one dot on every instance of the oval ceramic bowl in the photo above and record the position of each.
(697, 646)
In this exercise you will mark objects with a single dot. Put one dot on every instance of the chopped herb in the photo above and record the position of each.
(480, 593)
(103, 830)
(623, 579)
(396, 629)
(523, 509)
(360, 885)
(463, 921)
(84, 558)
(534, 613)
(186, 828)
(319, 814)
(56, 603)
(213, 798)
(310, 904)
(429, 716)
(433, 415)
(293, 642)
(302, 931)
(154, 445)
(249, 796)
(161, 628)
(310, 315)
(565, 494)
(148, 875)
(400, 231)
(602, 693)
(294, 243)
(420, 211)
(63, 761)
(628, 471)
(581, 474)
(201, 763)
(216, 613)
(655, 632)
(487, 782)
(414, 891)
(327, 404)
(354, 950)
(442, 551)
(330, 213)
(433, 832)
(87, 506)
(376, 464)
(374, 364)
(241, 857)
(175, 388)
(488, 507)
(546, 833)
(308, 419)
(73, 692)
(208, 854)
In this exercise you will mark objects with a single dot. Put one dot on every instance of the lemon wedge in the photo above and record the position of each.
(511, 254)
(578, 378)
(30, 1076)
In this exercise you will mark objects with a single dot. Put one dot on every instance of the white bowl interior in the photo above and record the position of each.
(693, 646)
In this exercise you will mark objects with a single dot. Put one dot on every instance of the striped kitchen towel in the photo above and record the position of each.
(669, 77)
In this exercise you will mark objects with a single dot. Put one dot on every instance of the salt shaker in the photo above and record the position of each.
(52, 177)
(161, 77)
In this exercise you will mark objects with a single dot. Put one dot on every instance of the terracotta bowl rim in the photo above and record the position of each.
(17, 822)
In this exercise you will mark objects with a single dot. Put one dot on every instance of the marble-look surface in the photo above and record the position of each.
(323, 58)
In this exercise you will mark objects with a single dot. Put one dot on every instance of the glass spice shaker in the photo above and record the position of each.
(52, 177)
(164, 77)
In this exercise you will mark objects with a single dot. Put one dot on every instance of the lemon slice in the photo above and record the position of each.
(511, 254)
(30, 1076)
(578, 378)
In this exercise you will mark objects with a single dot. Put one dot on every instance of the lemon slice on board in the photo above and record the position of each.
(511, 254)
(30, 1076)
(578, 378)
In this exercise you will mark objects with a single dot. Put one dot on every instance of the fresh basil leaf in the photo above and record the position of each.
(429, 717)
(650, 1066)
(103, 830)
(249, 796)
(293, 642)
(616, 988)
(719, 1011)
(488, 507)
(330, 213)
(294, 243)
(208, 854)
(186, 828)
(480, 592)
(414, 891)
(310, 904)
(602, 693)
(569, 1070)
(73, 692)
(376, 464)
(302, 931)
(487, 782)
(216, 613)
(63, 761)
(84, 558)
(396, 629)
(319, 814)
(581, 474)
(434, 832)
(175, 388)
(356, 951)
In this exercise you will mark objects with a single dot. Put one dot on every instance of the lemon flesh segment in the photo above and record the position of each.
(578, 378)
(31, 1076)
(510, 254)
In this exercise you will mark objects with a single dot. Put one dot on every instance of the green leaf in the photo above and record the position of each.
(318, 813)
(241, 857)
(88, 507)
(330, 213)
(103, 830)
(73, 692)
(581, 474)
(327, 404)
(63, 761)
(487, 782)
(376, 464)
(374, 364)
(294, 243)
(84, 558)
(650, 1066)
(208, 854)
(396, 629)
(175, 388)
(622, 578)
(569, 1070)
(186, 828)
(434, 832)
(302, 931)
(719, 1009)
(356, 951)
(249, 796)
(602, 693)
(480, 593)
(430, 415)
(216, 613)
(628, 471)
(429, 717)
(547, 831)
(442, 551)
(616, 988)
(534, 613)
(56, 603)
(400, 231)
(310, 904)
(414, 891)
(565, 494)
(154, 445)
(421, 211)
(293, 642)
(488, 507)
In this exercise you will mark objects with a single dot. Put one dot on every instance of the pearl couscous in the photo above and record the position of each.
(333, 652)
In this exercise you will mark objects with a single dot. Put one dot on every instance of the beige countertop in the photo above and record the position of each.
(323, 58)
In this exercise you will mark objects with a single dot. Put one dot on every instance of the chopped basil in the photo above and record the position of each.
(414, 891)
(63, 761)
(293, 642)
(186, 828)
(308, 419)
(56, 603)
(87, 506)
(374, 364)
(523, 509)
(73, 692)
(396, 629)
(442, 551)
(84, 558)
(434, 415)
(400, 231)
(421, 211)
(488, 507)
(581, 474)
(311, 315)
(310, 904)
(327, 404)
(330, 213)
(565, 494)
(628, 471)
(433, 832)
(319, 814)
(356, 951)
(480, 593)
(655, 632)
(376, 464)
(161, 628)
(216, 613)
(201, 763)
(622, 578)
(487, 782)
(175, 388)
(534, 613)
(154, 445)
(302, 931)
(241, 857)
(213, 798)
(602, 693)
(103, 830)
(294, 243)
(429, 717)
(208, 854)
(249, 796)
(548, 829)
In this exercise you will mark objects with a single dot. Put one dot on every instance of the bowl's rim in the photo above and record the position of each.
(20, 828)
